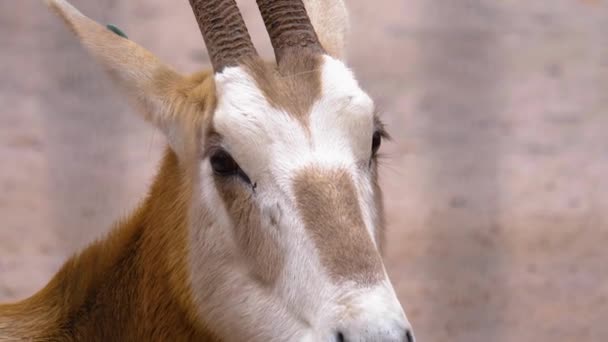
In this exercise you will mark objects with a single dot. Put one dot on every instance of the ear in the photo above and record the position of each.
(149, 83)
(330, 20)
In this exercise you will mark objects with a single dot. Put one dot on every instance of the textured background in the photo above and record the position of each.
(495, 183)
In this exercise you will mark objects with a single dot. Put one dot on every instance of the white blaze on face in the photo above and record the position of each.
(272, 147)
(342, 123)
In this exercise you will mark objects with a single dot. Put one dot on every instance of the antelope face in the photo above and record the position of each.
(290, 157)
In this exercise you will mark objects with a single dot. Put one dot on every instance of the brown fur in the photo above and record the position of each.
(258, 247)
(293, 86)
(327, 201)
(131, 286)
(134, 284)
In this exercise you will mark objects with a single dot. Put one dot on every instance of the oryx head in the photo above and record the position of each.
(279, 158)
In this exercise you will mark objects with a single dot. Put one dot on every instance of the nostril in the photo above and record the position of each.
(408, 336)
(340, 337)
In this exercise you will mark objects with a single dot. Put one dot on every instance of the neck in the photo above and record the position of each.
(133, 285)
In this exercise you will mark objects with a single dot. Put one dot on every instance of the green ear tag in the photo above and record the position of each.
(117, 31)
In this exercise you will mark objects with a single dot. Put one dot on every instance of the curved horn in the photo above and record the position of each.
(224, 32)
(288, 26)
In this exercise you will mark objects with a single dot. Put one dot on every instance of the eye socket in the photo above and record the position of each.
(223, 164)
(376, 142)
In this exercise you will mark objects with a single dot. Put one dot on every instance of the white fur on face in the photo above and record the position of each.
(342, 125)
(376, 316)
(271, 146)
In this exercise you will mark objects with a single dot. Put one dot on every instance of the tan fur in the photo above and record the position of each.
(328, 203)
(116, 289)
(152, 86)
(294, 86)
(259, 248)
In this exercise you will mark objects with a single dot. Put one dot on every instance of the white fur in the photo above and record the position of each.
(379, 316)
(271, 146)
(239, 308)
(344, 117)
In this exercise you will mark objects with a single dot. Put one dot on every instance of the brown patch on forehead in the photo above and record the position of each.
(259, 248)
(327, 201)
(293, 86)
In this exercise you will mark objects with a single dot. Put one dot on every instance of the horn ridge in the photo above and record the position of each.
(224, 32)
(288, 26)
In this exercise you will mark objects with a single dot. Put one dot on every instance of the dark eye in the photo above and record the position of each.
(376, 141)
(223, 164)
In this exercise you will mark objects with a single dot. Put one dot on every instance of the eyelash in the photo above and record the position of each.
(224, 165)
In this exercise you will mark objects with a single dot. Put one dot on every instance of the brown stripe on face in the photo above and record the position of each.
(327, 201)
(293, 86)
(259, 248)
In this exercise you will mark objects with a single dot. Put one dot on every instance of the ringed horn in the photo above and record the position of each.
(224, 31)
(288, 26)
(228, 41)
